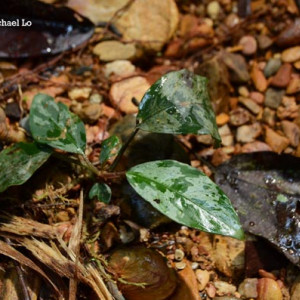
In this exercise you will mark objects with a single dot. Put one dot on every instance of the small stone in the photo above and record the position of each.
(269, 116)
(79, 93)
(226, 136)
(264, 42)
(258, 78)
(297, 65)
(219, 156)
(272, 66)
(290, 35)
(222, 119)
(238, 65)
(249, 45)
(257, 97)
(239, 117)
(248, 288)
(251, 105)
(210, 290)
(119, 67)
(291, 55)
(122, 92)
(203, 279)
(180, 265)
(243, 91)
(194, 264)
(283, 76)
(213, 9)
(273, 98)
(277, 142)
(232, 20)
(205, 139)
(224, 288)
(179, 255)
(248, 133)
(91, 112)
(268, 289)
(96, 98)
(288, 109)
(292, 132)
(225, 298)
(255, 147)
(114, 50)
(294, 85)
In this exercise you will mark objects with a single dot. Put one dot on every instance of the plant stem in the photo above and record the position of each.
(90, 166)
(122, 150)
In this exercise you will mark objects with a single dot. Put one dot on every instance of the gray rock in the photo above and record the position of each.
(272, 66)
(273, 98)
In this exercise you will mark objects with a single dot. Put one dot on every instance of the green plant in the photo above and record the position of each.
(178, 103)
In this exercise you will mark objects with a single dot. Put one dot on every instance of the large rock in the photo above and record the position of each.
(97, 10)
(152, 22)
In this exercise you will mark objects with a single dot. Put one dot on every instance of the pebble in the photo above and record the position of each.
(257, 97)
(258, 78)
(224, 288)
(294, 85)
(288, 109)
(122, 92)
(202, 278)
(225, 298)
(222, 119)
(79, 93)
(249, 45)
(243, 91)
(291, 131)
(268, 289)
(264, 41)
(283, 76)
(277, 142)
(180, 265)
(213, 9)
(248, 133)
(255, 147)
(238, 65)
(291, 55)
(179, 255)
(232, 20)
(248, 288)
(269, 116)
(239, 116)
(297, 65)
(114, 50)
(251, 105)
(272, 66)
(273, 98)
(210, 290)
(119, 67)
(290, 36)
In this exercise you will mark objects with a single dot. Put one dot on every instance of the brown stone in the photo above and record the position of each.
(269, 116)
(255, 146)
(294, 85)
(268, 289)
(251, 105)
(292, 132)
(258, 78)
(248, 133)
(290, 36)
(276, 141)
(257, 97)
(239, 117)
(151, 22)
(249, 45)
(288, 109)
(291, 55)
(222, 119)
(283, 76)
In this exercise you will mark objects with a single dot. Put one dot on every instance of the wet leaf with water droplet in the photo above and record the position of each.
(178, 103)
(19, 162)
(264, 187)
(185, 195)
(53, 124)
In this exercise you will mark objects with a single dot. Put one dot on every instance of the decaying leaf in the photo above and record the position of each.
(264, 187)
(40, 29)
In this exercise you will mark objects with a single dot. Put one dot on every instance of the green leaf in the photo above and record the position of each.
(53, 124)
(19, 162)
(185, 195)
(101, 191)
(109, 148)
(178, 103)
